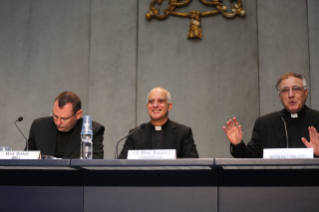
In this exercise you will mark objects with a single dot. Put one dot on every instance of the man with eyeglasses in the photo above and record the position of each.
(161, 132)
(59, 135)
(269, 131)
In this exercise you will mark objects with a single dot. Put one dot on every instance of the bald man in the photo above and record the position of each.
(161, 132)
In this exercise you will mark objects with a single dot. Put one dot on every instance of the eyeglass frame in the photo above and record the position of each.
(64, 120)
(295, 89)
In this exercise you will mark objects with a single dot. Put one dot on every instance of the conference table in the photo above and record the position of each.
(206, 184)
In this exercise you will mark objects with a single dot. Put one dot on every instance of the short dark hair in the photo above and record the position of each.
(69, 97)
(291, 74)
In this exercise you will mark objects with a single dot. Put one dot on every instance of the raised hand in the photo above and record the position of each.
(314, 140)
(233, 131)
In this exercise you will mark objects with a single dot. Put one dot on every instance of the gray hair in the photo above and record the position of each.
(291, 74)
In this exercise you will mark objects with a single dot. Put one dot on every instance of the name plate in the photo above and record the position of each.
(16, 155)
(153, 154)
(288, 153)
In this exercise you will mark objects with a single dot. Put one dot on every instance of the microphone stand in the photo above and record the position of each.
(285, 130)
(116, 156)
(116, 149)
(27, 143)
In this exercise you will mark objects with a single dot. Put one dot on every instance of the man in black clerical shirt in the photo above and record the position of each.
(291, 127)
(59, 135)
(161, 132)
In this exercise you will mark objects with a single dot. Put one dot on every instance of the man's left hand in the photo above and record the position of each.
(314, 140)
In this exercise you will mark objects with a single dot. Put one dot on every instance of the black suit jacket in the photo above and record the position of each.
(269, 132)
(43, 134)
(176, 136)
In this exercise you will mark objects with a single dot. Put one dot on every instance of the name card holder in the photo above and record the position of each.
(288, 153)
(16, 155)
(153, 154)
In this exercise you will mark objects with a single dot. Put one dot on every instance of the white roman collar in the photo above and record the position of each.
(158, 128)
(294, 115)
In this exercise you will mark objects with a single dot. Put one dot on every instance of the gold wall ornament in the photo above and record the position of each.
(194, 30)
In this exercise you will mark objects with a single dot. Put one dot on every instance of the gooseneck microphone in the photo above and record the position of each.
(282, 118)
(18, 120)
(116, 149)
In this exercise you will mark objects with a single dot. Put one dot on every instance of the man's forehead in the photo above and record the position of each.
(291, 81)
(157, 97)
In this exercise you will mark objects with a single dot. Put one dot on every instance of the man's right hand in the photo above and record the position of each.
(233, 132)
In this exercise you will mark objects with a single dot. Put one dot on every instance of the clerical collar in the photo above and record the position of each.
(295, 115)
(159, 128)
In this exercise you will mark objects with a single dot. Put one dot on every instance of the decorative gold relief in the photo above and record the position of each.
(194, 30)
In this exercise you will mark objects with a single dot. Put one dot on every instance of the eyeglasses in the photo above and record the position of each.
(64, 120)
(295, 90)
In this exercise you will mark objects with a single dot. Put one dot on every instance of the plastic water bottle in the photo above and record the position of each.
(86, 138)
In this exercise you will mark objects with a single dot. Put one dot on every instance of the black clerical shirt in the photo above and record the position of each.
(158, 136)
(62, 140)
(294, 128)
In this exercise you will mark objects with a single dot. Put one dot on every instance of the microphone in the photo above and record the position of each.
(282, 118)
(116, 149)
(18, 120)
